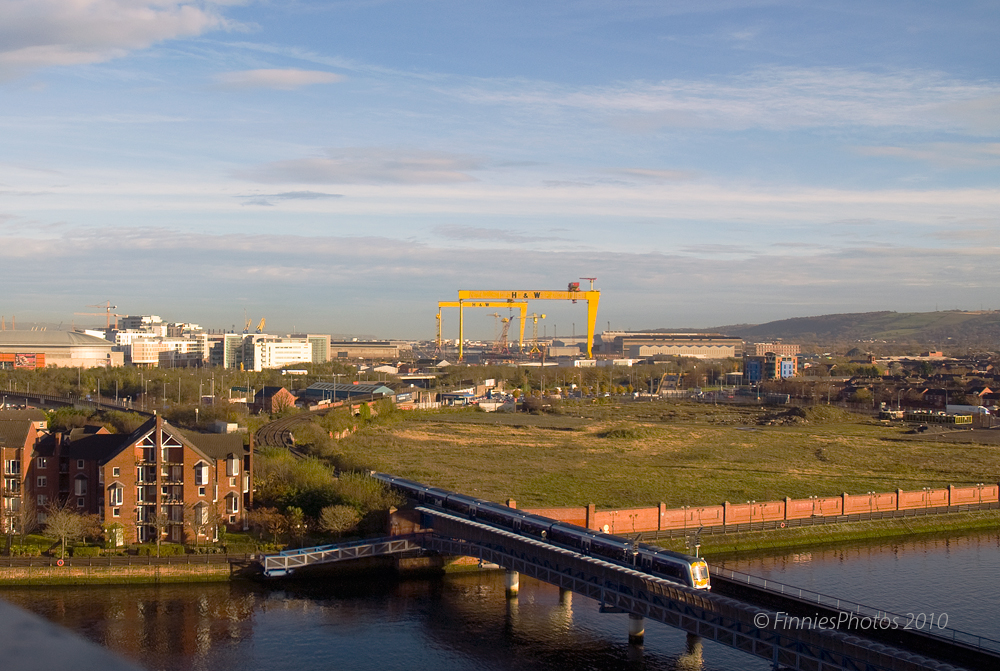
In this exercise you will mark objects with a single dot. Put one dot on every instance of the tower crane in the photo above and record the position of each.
(500, 346)
(534, 317)
(260, 326)
(108, 307)
(496, 317)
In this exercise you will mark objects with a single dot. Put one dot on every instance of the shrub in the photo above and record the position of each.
(166, 550)
(626, 432)
(85, 551)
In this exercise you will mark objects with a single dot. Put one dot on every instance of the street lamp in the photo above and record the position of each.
(979, 486)
(871, 503)
(751, 504)
(927, 499)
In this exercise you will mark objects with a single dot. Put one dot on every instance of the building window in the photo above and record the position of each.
(201, 473)
(115, 495)
(80, 485)
(79, 464)
(116, 512)
(232, 466)
(42, 481)
(201, 491)
(81, 502)
(42, 462)
(232, 504)
(116, 472)
(12, 467)
(43, 499)
(232, 482)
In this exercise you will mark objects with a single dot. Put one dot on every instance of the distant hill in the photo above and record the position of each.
(951, 328)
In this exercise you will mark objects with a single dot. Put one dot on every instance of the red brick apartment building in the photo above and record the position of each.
(159, 477)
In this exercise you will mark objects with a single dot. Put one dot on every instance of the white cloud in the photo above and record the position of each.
(281, 79)
(778, 97)
(42, 33)
(948, 154)
(980, 115)
(368, 165)
(658, 175)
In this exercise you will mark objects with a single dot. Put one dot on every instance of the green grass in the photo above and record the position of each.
(679, 453)
(719, 547)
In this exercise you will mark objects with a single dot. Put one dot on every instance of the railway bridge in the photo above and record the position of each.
(739, 612)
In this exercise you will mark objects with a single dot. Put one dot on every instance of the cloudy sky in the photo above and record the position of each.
(342, 166)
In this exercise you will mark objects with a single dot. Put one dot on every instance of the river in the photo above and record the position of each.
(464, 621)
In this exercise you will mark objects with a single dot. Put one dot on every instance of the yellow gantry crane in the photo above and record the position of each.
(573, 293)
(520, 305)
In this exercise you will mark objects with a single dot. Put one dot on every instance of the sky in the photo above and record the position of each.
(342, 166)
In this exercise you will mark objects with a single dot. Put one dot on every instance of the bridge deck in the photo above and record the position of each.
(286, 562)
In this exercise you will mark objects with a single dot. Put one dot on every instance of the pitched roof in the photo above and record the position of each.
(78, 432)
(34, 414)
(96, 446)
(217, 445)
(14, 433)
(267, 392)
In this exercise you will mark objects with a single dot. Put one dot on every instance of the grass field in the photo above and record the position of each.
(681, 453)
(721, 546)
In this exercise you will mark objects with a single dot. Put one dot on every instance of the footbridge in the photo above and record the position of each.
(742, 618)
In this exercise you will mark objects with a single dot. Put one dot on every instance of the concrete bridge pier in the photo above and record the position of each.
(692, 659)
(636, 629)
(511, 583)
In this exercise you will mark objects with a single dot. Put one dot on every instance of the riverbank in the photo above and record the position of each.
(723, 546)
(122, 571)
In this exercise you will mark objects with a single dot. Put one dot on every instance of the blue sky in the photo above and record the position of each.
(342, 166)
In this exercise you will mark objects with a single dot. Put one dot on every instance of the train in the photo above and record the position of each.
(673, 566)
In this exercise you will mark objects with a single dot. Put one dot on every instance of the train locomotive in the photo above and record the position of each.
(673, 566)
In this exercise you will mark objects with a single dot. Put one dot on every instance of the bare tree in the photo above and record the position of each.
(338, 519)
(161, 520)
(196, 515)
(64, 524)
(26, 519)
(269, 520)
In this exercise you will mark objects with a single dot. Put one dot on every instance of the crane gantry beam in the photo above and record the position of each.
(520, 305)
(593, 297)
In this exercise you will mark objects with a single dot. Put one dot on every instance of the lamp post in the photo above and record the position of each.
(814, 500)
(871, 503)
(979, 486)
(751, 504)
(927, 499)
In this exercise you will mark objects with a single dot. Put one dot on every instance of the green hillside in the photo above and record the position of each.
(940, 329)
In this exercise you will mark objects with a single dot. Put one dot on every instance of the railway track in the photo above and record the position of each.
(280, 432)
